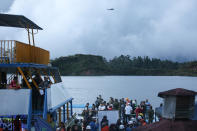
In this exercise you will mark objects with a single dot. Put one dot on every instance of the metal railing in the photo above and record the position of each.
(17, 52)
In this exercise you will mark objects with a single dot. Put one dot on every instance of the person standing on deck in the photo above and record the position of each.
(86, 111)
(128, 110)
(93, 111)
(138, 110)
(97, 102)
(143, 106)
(14, 83)
(93, 124)
(150, 115)
(46, 83)
(116, 105)
(17, 124)
(111, 101)
(147, 105)
(101, 107)
(104, 124)
(122, 108)
(43, 86)
(158, 112)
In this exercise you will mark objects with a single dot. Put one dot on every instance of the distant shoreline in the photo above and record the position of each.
(92, 65)
(128, 75)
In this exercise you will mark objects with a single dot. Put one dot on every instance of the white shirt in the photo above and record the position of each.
(128, 109)
(101, 108)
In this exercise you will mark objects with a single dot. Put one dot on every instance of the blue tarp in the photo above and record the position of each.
(80, 106)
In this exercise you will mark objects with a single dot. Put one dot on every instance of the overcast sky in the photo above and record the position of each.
(157, 28)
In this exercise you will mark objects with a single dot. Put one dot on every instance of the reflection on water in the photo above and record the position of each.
(86, 89)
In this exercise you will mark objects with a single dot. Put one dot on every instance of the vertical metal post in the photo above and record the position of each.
(71, 108)
(45, 105)
(53, 77)
(28, 35)
(33, 37)
(14, 48)
(29, 111)
(12, 124)
(155, 115)
(30, 57)
(64, 114)
(60, 117)
(67, 110)
(11, 52)
(33, 49)
(8, 51)
(1, 52)
(4, 52)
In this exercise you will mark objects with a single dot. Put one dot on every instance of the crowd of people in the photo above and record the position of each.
(12, 124)
(131, 114)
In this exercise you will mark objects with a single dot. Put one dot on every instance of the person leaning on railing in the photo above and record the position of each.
(45, 84)
(14, 84)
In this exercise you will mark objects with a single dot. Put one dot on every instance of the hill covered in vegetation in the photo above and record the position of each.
(123, 65)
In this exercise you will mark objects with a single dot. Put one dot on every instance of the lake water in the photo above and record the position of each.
(86, 88)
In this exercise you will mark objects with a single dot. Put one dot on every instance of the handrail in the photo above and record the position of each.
(7, 51)
(12, 51)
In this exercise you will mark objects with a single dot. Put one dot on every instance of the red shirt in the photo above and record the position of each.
(137, 111)
(105, 128)
(14, 85)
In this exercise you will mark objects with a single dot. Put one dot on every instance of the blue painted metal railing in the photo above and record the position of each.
(30, 111)
(45, 106)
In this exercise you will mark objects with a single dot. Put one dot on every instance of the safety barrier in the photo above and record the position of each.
(12, 51)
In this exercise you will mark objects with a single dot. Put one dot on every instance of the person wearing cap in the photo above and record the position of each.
(93, 124)
(129, 126)
(104, 124)
(88, 128)
(128, 110)
(121, 127)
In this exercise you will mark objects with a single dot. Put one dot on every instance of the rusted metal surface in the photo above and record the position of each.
(170, 125)
(177, 92)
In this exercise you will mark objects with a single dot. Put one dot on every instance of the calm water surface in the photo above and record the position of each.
(86, 88)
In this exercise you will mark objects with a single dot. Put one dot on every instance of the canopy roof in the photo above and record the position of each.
(177, 92)
(19, 21)
(169, 125)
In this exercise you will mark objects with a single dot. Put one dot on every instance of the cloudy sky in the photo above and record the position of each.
(157, 28)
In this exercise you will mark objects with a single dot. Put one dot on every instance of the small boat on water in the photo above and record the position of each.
(24, 71)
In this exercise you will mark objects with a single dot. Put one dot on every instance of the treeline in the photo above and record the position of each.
(123, 65)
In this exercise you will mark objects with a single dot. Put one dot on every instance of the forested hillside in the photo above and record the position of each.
(123, 65)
